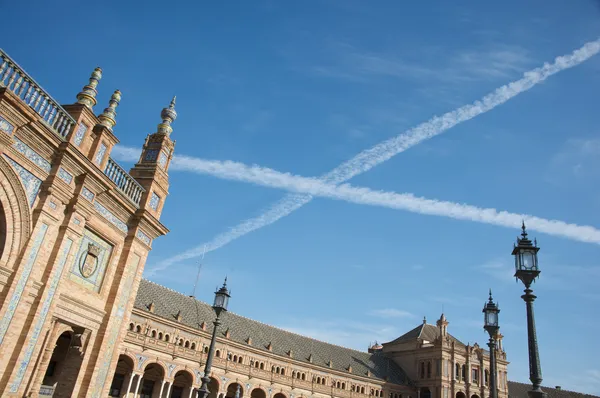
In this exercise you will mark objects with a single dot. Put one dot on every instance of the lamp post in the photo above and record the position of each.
(527, 270)
(490, 324)
(220, 305)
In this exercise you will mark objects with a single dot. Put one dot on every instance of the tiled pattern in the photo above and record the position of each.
(154, 201)
(162, 159)
(113, 332)
(65, 175)
(111, 217)
(143, 237)
(80, 133)
(30, 182)
(76, 221)
(170, 368)
(89, 195)
(43, 312)
(141, 359)
(100, 153)
(52, 205)
(6, 126)
(32, 155)
(27, 267)
(94, 281)
(151, 155)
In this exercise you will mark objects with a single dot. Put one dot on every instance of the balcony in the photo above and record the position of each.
(15, 79)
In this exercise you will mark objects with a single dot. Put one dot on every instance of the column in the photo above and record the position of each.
(162, 386)
(38, 378)
(137, 386)
(131, 377)
(169, 389)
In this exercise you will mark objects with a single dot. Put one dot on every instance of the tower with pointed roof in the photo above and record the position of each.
(151, 171)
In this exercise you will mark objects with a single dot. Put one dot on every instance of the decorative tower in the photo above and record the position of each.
(103, 137)
(87, 96)
(151, 171)
(442, 325)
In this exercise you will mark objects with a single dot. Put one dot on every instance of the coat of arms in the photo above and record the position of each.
(89, 261)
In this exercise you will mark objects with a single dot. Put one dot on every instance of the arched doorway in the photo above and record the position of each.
(151, 380)
(460, 394)
(279, 395)
(122, 378)
(259, 393)
(425, 392)
(65, 363)
(474, 396)
(234, 390)
(213, 388)
(182, 384)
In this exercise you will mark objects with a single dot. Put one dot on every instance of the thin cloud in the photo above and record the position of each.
(370, 158)
(391, 313)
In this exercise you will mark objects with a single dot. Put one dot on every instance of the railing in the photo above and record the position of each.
(46, 391)
(23, 85)
(130, 187)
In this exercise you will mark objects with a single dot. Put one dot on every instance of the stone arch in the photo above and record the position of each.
(474, 396)
(460, 394)
(153, 374)
(15, 215)
(213, 388)
(259, 392)
(126, 364)
(279, 395)
(232, 389)
(149, 362)
(183, 383)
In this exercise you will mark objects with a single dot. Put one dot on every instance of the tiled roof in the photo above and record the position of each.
(424, 331)
(519, 390)
(168, 302)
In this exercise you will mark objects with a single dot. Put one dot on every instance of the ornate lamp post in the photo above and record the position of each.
(221, 301)
(527, 270)
(490, 324)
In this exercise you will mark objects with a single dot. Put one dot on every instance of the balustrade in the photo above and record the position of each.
(14, 78)
(126, 183)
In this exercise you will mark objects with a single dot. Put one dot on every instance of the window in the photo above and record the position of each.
(457, 372)
(160, 335)
(343, 386)
(138, 329)
(438, 367)
(422, 371)
(218, 354)
(167, 338)
(486, 377)
(463, 373)
(475, 375)
(429, 370)
(205, 349)
(193, 346)
(115, 386)
(153, 334)
(362, 390)
(240, 360)
(131, 326)
(187, 344)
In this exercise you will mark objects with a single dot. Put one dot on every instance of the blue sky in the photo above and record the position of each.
(301, 87)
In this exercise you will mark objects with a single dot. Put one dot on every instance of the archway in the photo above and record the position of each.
(213, 388)
(425, 392)
(152, 379)
(182, 384)
(259, 393)
(474, 396)
(234, 390)
(280, 395)
(122, 378)
(65, 363)
(460, 394)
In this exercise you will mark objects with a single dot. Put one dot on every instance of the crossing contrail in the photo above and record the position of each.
(370, 158)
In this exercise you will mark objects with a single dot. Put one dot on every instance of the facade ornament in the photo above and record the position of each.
(87, 96)
(168, 115)
(108, 117)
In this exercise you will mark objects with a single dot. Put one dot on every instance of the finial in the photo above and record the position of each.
(168, 115)
(424, 320)
(491, 299)
(107, 118)
(87, 95)
(524, 229)
(225, 283)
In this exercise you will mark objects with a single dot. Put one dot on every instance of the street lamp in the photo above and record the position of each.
(220, 305)
(490, 324)
(527, 270)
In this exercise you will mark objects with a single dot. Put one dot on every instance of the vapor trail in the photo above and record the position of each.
(369, 158)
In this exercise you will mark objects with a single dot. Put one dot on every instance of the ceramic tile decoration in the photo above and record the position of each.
(143, 237)
(76, 221)
(113, 332)
(162, 159)
(65, 175)
(86, 193)
(111, 217)
(80, 133)
(30, 182)
(32, 155)
(18, 292)
(141, 359)
(154, 201)
(100, 153)
(42, 317)
(88, 270)
(52, 205)
(151, 155)
(6, 126)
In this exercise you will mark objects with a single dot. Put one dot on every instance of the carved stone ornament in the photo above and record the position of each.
(89, 261)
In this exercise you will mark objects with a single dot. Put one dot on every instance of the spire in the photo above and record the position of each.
(524, 229)
(87, 95)
(168, 115)
(107, 118)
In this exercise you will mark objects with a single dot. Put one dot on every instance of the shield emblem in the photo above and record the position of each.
(89, 261)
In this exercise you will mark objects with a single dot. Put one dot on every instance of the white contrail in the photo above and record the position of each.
(389, 148)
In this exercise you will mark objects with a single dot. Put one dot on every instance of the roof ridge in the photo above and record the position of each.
(254, 320)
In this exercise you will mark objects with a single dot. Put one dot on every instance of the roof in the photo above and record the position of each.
(167, 303)
(424, 331)
(519, 390)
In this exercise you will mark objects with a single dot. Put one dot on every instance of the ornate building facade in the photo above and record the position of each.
(78, 320)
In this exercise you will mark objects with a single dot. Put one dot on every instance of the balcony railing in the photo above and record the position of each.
(130, 187)
(46, 391)
(13, 77)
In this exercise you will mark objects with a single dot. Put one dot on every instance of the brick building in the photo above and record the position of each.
(77, 320)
